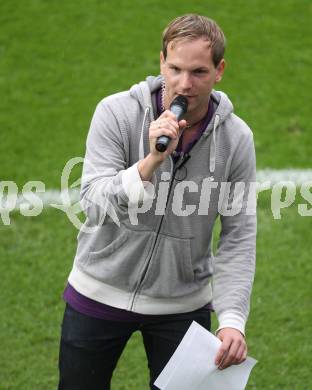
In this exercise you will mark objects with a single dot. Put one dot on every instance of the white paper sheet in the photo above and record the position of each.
(192, 366)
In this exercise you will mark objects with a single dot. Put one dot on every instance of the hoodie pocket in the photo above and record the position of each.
(170, 273)
(111, 247)
(118, 262)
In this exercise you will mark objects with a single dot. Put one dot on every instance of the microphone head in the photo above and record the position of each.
(180, 101)
(178, 107)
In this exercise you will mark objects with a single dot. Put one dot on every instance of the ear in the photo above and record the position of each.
(162, 62)
(220, 70)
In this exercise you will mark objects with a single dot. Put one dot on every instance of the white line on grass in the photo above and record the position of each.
(297, 176)
(53, 196)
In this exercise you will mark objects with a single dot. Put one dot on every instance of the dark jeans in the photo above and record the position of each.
(90, 347)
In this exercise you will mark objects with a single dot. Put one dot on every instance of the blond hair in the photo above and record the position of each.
(193, 26)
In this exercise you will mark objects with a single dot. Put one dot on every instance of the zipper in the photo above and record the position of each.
(183, 159)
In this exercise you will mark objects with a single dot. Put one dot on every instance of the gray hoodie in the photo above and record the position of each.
(147, 247)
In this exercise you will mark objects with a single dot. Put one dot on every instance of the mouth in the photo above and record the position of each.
(189, 97)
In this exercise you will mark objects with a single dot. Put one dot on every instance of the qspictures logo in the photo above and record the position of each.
(102, 196)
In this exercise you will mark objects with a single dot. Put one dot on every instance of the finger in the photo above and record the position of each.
(182, 123)
(223, 350)
(168, 114)
(159, 132)
(231, 355)
(170, 125)
(241, 354)
(166, 124)
(158, 129)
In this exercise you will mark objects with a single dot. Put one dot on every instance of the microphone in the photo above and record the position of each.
(179, 107)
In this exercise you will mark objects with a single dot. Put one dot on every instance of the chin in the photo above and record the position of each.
(192, 104)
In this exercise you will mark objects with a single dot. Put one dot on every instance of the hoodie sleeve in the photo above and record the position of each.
(234, 263)
(108, 185)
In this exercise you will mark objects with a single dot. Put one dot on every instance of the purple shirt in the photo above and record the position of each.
(197, 135)
(96, 309)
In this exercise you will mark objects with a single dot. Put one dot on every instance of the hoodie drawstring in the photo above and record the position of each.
(213, 146)
(141, 145)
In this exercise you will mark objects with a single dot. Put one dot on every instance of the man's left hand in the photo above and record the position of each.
(233, 349)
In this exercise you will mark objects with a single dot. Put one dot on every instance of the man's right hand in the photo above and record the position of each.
(166, 124)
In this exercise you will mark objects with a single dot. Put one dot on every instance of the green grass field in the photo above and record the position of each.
(57, 60)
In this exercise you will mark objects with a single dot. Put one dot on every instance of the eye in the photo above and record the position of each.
(200, 71)
(174, 68)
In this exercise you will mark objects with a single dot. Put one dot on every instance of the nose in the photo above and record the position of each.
(186, 81)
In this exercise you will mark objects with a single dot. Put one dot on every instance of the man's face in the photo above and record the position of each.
(189, 70)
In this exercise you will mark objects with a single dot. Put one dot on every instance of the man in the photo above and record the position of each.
(144, 258)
